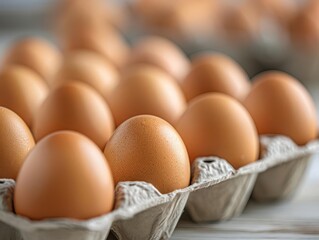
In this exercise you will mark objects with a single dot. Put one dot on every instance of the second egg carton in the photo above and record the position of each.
(217, 192)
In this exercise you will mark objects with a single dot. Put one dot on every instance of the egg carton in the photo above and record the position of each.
(217, 192)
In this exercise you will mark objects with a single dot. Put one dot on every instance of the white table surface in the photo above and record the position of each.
(296, 218)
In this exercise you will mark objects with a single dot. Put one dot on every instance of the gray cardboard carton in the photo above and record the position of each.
(217, 192)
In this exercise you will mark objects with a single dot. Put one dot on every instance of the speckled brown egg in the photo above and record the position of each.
(279, 104)
(215, 124)
(37, 54)
(162, 53)
(90, 68)
(15, 143)
(75, 106)
(147, 148)
(216, 73)
(22, 91)
(146, 90)
(65, 176)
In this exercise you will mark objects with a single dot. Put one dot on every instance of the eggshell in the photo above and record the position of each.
(37, 54)
(193, 17)
(108, 43)
(16, 141)
(279, 104)
(90, 68)
(215, 124)
(75, 106)
(242, 22)
(216, 73)
(22, 91)
(304, 29)
(65, 176)
(146, 90)
(161, 53)
(147, 148)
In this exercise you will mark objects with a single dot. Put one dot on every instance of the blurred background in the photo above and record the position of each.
(259, 34)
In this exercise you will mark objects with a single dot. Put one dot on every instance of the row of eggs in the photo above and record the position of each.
(166, 112)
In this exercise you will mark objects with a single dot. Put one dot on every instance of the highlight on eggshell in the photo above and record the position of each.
(147, 148)
(108, 43)
(78, 107)
(35, 53)
(22, 91)
(64, 176)
(90, 68)
(145, 89)
(215, 124)
(279, 104)
(161, 53)
(215, 73)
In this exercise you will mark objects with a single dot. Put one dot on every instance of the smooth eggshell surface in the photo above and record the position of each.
(215, 124)
(15, 143)
(146, 90)
(147, 148)
(75, 106)
(37, 54)
(90, 68)
(65, 176)
(161, 53)
(22, 91)
(216, 73)
(108, 43)
(279, 104)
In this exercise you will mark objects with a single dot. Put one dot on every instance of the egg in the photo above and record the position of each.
(37, 54)
(192, 18)
(215, 124)
(22, 91)
(65, 176)
(75, 106)
(279, 104)
(241, 22)
(15, 143)
(109, 43)
(216, 73)
(90, 68)
(146, 90)
(162, 53)
(147, 148)
(304, 28)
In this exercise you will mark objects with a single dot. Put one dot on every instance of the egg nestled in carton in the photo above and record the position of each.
(232, 136)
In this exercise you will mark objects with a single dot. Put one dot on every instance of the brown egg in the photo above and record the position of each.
(75, 106)
(242, 22)
(65, 176)
(90, 68)
(108, 43)
(279, 11)
(147, 148)
(37, 54)
(163, 54)
(279, 104)
(192, 18)
(304, 29)
(216, 73)
(72, 15)
(215, 124)
(146, 90)
(22, 91)
(15, 143)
